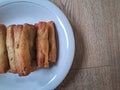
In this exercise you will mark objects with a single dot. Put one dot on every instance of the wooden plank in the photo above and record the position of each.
(88, 79)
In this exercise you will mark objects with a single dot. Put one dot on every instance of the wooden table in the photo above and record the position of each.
(96, 27)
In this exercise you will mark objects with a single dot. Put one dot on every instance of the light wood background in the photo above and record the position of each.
(96, 26)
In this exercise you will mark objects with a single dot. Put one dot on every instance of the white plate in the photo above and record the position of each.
(32, 11)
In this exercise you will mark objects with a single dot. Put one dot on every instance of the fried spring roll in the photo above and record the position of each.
(10, 48)
(42, 45)
(22, 53)
(4, 63)
(52, 42)
(32, 46)
(17, 34)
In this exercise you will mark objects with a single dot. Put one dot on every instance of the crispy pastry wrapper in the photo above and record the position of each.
(28, 46)
(22, 54)
(4, 63)
(32, 45)
(42, 44)
(25, 49)
(52, 42)
(10, 48)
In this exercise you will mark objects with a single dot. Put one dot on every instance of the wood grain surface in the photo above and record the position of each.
(96, 27)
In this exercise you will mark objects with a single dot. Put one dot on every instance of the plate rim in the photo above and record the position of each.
(61, 17)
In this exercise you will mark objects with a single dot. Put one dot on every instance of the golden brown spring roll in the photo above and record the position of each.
(17, 34)
(4, 63)
(22, 53)
(32, 45)
(10, 48)
(42, 44)
(52, 42)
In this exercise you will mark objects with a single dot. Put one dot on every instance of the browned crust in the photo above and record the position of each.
(28, 46)
(52, 42)
(22, 54)
(10, 48)
(42, 44)
(4, 63)
(17, 34)
(25, 48)
(32, 45)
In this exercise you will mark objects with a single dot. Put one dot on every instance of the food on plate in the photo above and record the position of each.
(42, 44)
(31, 31)
(52, 42)
(10, 47)
(19, 58)
(4, 63)
(25, 48)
